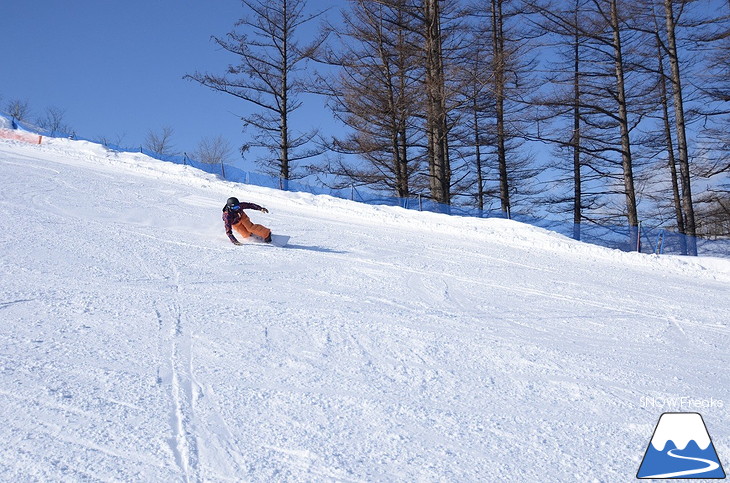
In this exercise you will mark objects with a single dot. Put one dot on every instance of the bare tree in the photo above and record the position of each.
(160, 142)
(499, 68)
(712, 165)
(266, 77)
(714, 216)
(214, 150)
(473, 133)
(664, 97)
(112, 141)
(718, 38)
(19, 110)
(503, 81)
(564, 104)
(605, 108)
(377, 95)
(596, 105)
(681, 127)
(437, 128)
(54, 121)
(614, 23)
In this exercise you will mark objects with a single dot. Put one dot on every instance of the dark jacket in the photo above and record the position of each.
(231, 217)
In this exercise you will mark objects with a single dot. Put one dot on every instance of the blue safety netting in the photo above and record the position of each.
(645, 238)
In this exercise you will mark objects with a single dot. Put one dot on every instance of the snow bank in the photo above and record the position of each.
(7, 132)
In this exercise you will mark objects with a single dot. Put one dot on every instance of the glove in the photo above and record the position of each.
(236, 242)
(264, 210)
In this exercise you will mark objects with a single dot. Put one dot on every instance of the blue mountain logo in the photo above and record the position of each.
(681, 448)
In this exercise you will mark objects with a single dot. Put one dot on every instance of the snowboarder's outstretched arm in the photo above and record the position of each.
(253, 206)
(229, 229)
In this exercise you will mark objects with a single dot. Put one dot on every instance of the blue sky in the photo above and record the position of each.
(117, 67)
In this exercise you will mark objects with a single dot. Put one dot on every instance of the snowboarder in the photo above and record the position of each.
(235, 218)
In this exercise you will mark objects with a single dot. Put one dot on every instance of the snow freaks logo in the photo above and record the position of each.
(680, 448)
(682, 403)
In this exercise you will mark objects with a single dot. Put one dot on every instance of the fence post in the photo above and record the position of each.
(352, 192)
(420, 203)
(638, 238)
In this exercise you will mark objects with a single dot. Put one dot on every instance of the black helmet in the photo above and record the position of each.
(232, 202)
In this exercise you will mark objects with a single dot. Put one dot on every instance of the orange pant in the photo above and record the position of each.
(246, 228)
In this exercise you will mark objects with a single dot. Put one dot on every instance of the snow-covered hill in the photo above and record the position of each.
(138, 344)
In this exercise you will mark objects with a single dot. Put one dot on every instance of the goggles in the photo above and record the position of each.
(235, 207)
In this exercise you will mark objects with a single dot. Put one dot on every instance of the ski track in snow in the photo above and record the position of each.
(381, 345)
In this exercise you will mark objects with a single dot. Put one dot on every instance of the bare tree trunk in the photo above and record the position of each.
(478, 153)
(626, 159)
(687, 204)
(284, 94)
(577, 187)
(398, 133)
(672, 162)
(404, 162)
(439, 168)
(499, 93)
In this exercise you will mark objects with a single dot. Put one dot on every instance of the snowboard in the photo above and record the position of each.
(276, 240)
(279, 240)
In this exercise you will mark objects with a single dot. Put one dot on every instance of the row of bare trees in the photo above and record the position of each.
(210, 150)
(661, 53)
(457, 100)
(52, 120)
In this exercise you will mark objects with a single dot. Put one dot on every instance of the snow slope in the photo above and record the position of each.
(138, 344)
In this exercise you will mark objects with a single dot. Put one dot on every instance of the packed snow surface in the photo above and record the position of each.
(138, 344)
